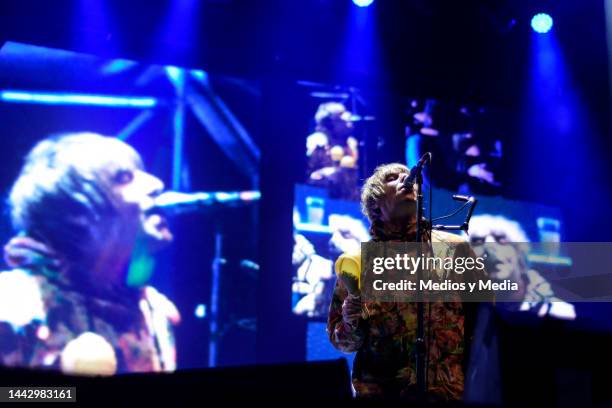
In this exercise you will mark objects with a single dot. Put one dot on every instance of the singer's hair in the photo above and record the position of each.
(373, 191)
(62, 197)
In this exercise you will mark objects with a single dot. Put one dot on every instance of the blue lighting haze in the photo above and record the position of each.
(363, 3)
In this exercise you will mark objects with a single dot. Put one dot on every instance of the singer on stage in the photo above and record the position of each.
(383, 334)
(79, 208)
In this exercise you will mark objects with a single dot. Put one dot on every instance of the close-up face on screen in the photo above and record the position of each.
(124, 185)
(350, 201)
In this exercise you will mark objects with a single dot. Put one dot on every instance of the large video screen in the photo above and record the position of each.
(106, 273)
(467, 143)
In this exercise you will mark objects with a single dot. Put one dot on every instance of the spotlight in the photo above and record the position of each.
(363, 3)
(200, 311)
(541, 23)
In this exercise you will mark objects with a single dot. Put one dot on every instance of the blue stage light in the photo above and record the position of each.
(200, 311)
(176, 75)
(541, 23)
(200, 75)
(363, 3)
(77, 99)
(117, 66)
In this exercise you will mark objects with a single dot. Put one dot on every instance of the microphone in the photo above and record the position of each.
(174, 203)
(463, 198)
(468, 200)
(416, 170)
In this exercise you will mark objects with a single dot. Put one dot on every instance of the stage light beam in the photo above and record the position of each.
(542, 23)
(363, 3)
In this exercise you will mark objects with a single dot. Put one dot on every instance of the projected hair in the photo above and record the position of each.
(60, 200)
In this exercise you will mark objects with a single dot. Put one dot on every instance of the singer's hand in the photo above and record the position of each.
(350, 282)
(88, 354)
(351, 309)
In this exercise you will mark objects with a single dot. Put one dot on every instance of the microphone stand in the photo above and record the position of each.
(421, 226)
(420, 334)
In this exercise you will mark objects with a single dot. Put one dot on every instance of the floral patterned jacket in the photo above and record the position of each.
(47, 322)
(384, 340)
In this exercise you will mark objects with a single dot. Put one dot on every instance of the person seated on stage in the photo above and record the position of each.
(505, 246)
(383, 333)
(79, 207)
(332, 152)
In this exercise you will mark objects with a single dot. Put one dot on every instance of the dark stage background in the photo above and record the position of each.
(265, 60)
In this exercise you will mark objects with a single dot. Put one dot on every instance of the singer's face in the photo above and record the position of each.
(132, 191)
(122, 173)
(398, 201)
